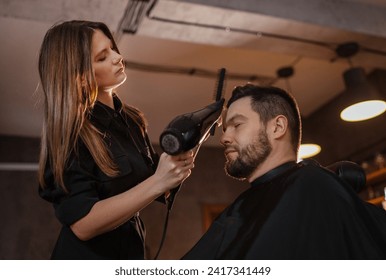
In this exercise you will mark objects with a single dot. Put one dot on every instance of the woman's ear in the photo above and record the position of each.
(279, 126)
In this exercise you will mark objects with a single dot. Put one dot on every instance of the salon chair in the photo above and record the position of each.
(349, 171)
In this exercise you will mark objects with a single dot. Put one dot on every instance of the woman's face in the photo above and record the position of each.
(107, 63)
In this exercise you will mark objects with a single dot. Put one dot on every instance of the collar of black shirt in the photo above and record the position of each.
(105, 114)
(273, 173)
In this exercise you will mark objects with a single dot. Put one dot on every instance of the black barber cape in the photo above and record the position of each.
(296, 212)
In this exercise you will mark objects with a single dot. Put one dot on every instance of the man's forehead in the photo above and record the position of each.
(241, 106)
(243, 101)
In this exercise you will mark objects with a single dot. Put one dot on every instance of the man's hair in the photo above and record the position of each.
(270, 102)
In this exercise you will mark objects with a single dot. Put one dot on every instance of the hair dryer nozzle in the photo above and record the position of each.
(186, 131)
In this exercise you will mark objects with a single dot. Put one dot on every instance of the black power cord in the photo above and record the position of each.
(169, 205)
(163, 233)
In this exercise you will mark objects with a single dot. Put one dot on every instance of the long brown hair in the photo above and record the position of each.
(70, 92)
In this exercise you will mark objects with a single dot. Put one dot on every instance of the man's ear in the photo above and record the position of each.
(279, 126)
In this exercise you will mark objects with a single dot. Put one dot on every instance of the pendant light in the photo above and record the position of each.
(308, 150)
(365, 102)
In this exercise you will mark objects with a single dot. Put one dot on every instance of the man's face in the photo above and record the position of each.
(245, 140)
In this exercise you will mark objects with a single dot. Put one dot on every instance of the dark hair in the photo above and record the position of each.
(270, 102)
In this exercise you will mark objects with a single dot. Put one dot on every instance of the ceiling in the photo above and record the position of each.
(251, 39)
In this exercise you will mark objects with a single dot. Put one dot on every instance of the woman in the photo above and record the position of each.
(97, 165)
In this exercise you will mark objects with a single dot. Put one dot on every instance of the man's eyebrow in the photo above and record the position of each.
(233, 119)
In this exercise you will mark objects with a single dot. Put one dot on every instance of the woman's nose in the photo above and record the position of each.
(117, 58)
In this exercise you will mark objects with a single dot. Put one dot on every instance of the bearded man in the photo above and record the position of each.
(292, 210)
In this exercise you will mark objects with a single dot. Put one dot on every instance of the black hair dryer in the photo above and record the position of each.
(189, 130)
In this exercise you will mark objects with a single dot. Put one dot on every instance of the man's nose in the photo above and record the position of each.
(225, 139)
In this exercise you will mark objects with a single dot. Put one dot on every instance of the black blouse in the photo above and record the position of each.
(87, 184)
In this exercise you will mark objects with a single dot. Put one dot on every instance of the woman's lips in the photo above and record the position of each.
(120, 70)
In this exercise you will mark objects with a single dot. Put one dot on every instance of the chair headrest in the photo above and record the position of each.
(351, 172)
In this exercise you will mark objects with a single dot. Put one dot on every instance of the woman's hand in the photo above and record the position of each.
(109, 213)
(173, 170)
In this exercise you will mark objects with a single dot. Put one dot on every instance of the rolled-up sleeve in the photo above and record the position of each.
(81, 195)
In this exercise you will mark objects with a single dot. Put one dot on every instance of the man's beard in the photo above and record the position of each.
(249, 158)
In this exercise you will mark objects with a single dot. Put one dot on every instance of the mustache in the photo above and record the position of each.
(230, 148)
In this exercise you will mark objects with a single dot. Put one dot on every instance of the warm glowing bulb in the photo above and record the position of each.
(363, 110)
(308, 150)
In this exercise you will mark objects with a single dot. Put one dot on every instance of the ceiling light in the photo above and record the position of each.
(364, 110)
(308, 150)
(365, 103)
